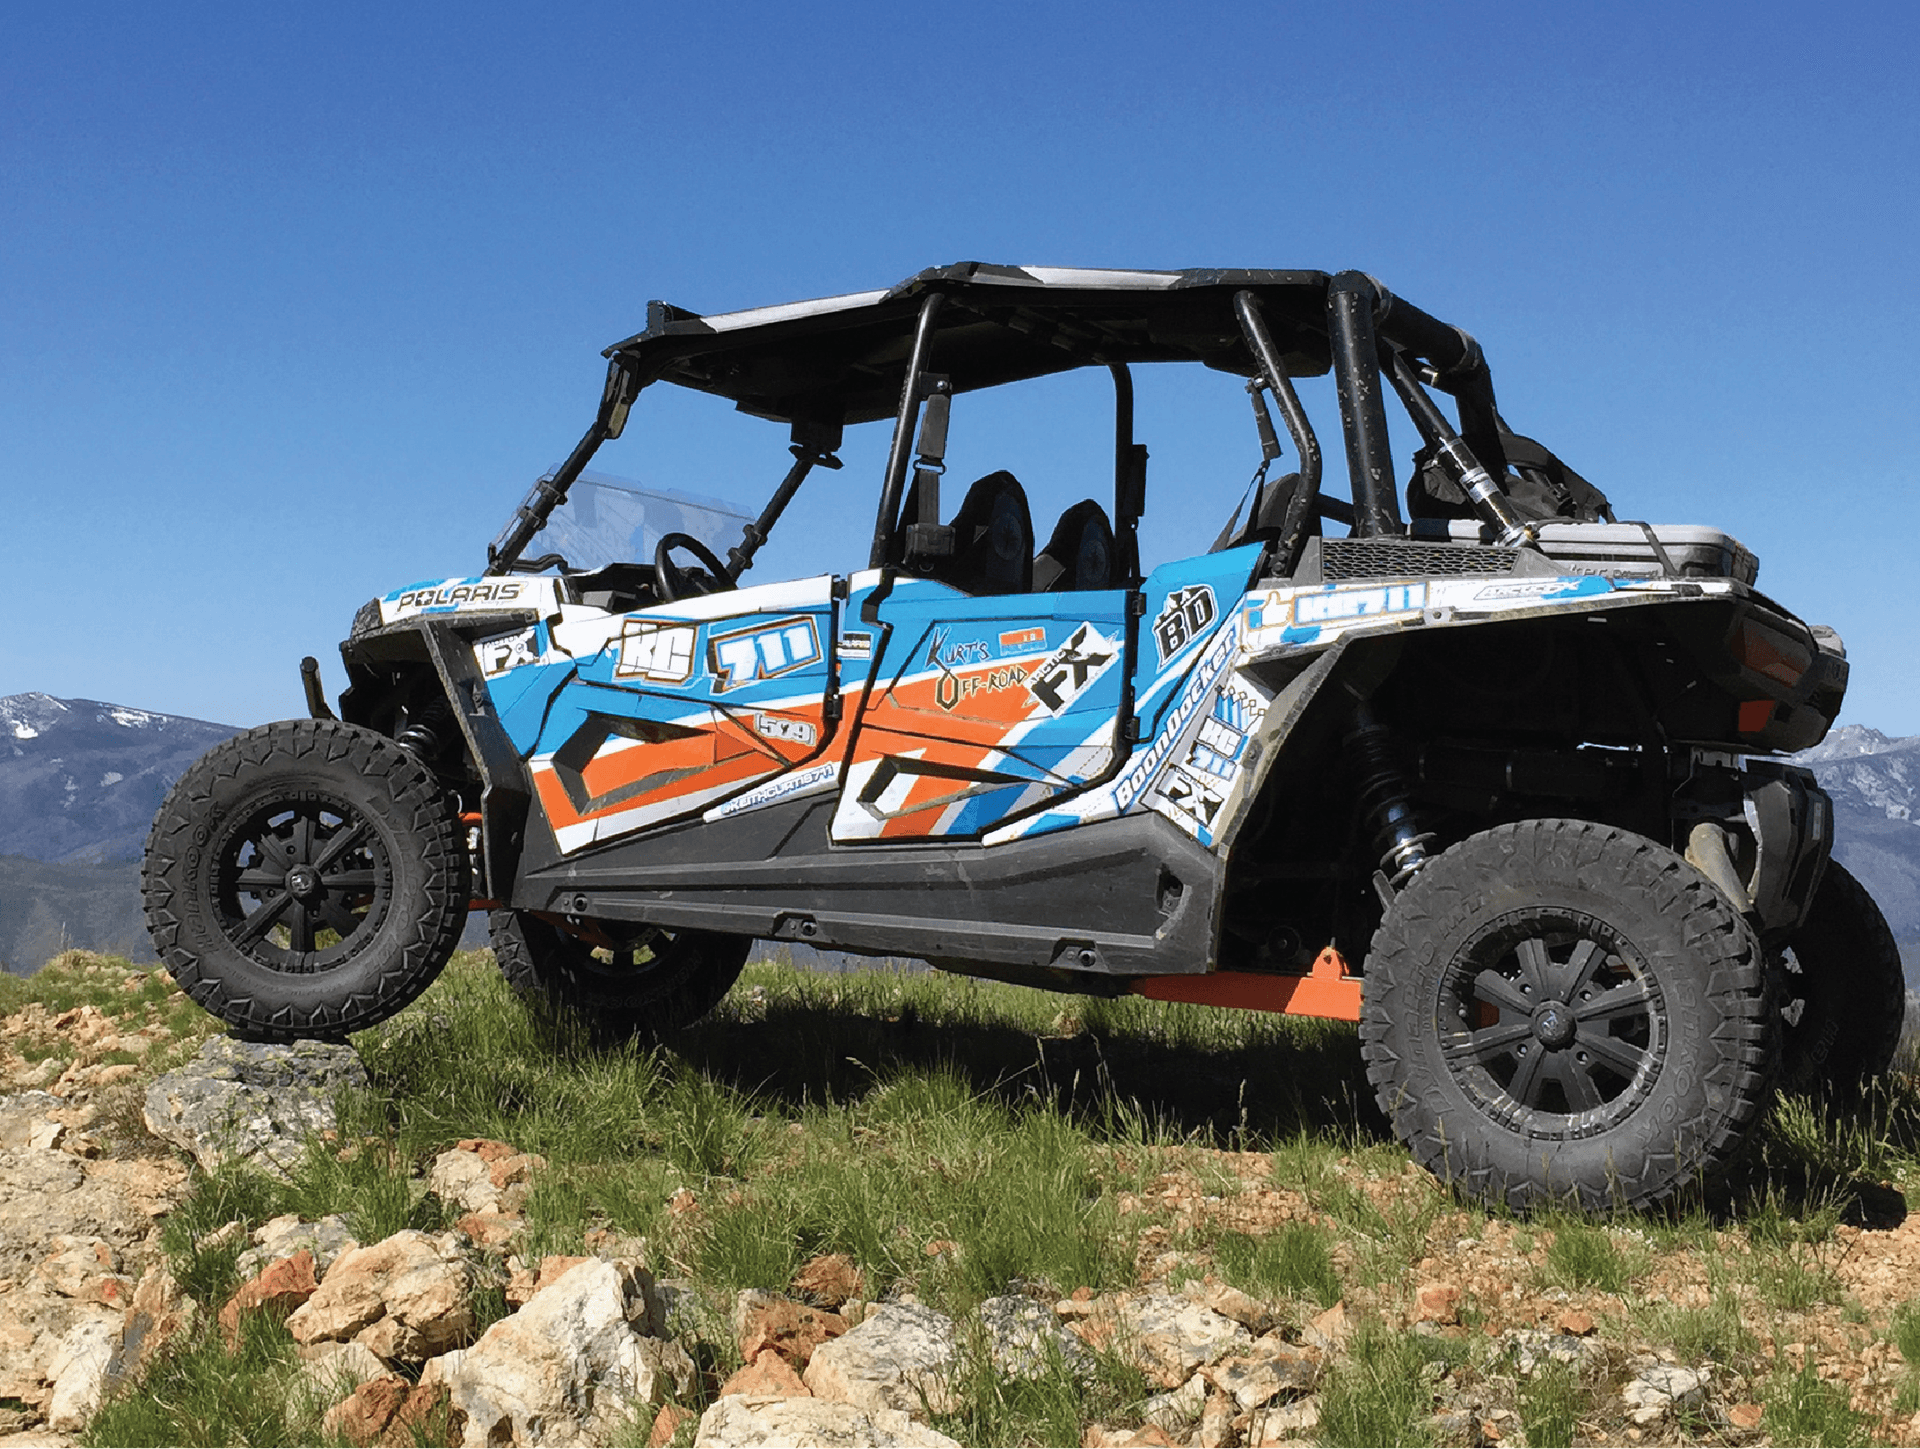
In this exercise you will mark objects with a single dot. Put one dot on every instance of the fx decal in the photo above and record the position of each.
(1067, 672)
(505, 651)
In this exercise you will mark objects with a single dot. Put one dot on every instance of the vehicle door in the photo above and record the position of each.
(974, 710)
(676, 710)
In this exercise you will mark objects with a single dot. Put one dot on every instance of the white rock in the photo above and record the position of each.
(331, 1371)
(567, 1366)
(1664, 1388)
(461, 1178)
(746, 1423)
(287, 1234)
(901, 1358)
(1024, 1338)
(255, 1101)
(1174, 1412)
(78, 1369)
(1170, 1337)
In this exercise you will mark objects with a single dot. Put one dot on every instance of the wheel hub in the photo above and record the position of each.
(1554, 1025)
(303, 883)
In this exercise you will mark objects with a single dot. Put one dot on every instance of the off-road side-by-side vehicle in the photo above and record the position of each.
(1489, 780)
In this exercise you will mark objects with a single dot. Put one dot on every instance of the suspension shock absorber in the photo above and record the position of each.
(1385, 804)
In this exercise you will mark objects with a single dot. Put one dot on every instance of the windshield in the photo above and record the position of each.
(613, 520)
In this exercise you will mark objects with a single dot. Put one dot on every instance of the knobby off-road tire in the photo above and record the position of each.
(305, 879)
(1845, 990)
(1562, 1013)
(654, 982)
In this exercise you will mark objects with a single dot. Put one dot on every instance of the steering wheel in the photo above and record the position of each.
(673, 582)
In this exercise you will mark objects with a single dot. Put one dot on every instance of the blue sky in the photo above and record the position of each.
(295, 301)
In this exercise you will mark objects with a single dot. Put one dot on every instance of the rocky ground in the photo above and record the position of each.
(1646, 1332)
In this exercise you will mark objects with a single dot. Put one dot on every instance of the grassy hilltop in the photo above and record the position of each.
(961, 1140)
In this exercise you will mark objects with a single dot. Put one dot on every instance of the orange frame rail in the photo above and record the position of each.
(1325, 991)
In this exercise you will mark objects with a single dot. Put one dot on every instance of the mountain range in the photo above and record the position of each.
(80, 781)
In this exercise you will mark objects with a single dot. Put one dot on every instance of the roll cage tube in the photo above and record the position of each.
(1129, 476)
(1305, 502)
(1462, 468)
(616, 400)
(903, 424)
(1351, 298)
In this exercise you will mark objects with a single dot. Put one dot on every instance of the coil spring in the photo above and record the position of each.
(1385, 802)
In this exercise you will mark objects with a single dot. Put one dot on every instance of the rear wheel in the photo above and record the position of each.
(1558, 1012)
(1844, 987)
(621, 979)
(305, 879)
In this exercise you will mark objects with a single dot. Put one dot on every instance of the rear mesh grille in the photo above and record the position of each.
(1384, 558)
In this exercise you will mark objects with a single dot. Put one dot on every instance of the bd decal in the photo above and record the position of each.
(856, 645)
(661, 652)
(1184, 617)
(765, 651)
(1070, 669)
(505, 651)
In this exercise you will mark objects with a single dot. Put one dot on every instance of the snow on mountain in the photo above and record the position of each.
(80, 779)
(1874, 781)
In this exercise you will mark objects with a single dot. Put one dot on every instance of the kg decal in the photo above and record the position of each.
(856, 645)
(662, 652)
(505, 651)
(1071, 669)
(765, 651)
(1183, 618)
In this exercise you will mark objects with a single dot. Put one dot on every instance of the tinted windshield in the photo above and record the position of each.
(611, 520)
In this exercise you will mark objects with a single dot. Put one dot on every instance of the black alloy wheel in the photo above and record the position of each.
(303, 884)
(1561, 1029)
(621, 979)
(1564, 1014)
(306, 879)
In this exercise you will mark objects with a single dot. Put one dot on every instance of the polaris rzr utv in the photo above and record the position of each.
(1490, 779)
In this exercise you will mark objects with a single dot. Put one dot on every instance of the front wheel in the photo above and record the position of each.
(305, 879)
(1563, 1013)
(621, 979)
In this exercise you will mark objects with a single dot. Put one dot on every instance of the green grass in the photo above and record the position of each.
(1582, 1256)
(1802, 1408)
(1293, 1261)
(1380, 1389)
(878, 1113)
(1716, 1333)
(1551, 1404)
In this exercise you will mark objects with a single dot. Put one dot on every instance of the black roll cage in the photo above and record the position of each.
(820, 365)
